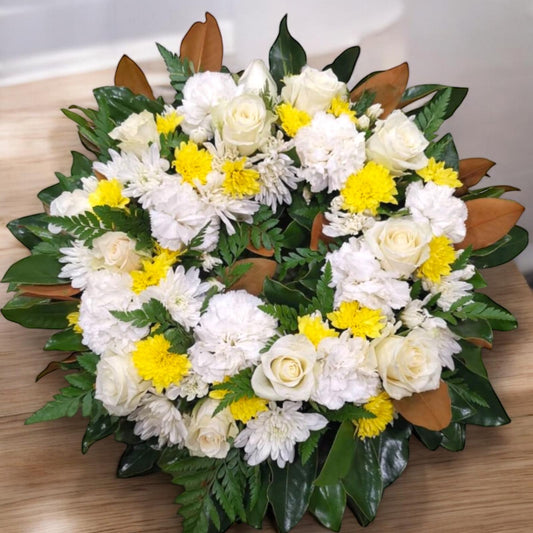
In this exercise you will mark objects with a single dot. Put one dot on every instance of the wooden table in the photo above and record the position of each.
(48, 486)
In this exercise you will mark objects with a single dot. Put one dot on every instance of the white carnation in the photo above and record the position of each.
(136, 133)
(342, 223)
(330, 149)
(435, 204)
(190, 387)
(230, 335)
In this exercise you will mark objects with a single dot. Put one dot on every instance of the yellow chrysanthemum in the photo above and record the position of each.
(240, 181)
(314, 328)
(108, 192)
(153, 270)
(156, 363)
(441, 257)
(73, 321)
(361, 321)
(368, 188)
(245, 408)
(168, 123)
(342, 107)
(292, 119)
(192, 163)
(439, 174)
(381, 406)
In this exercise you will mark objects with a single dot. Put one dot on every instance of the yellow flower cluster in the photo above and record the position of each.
(381, 406)
(361, 321)
(292, 119)
(168, 123)
(314, 328)
(153, 270)
(73, 321)
(342, 107)
(108, 192)
(439, 174)
(441, 257)
(192, 163)
(240, 181)
(245, 408)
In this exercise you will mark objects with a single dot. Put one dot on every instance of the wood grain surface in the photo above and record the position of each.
(48, 486)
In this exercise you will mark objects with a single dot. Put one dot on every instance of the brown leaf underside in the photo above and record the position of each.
(316, 232)
(471, 171)
(57, 292)
(54, 365)
(253, 280)
(130, 75)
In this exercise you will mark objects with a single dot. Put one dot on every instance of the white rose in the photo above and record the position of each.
(408, 364)
(286, 370)
(256, 79)
(136, 133)
(397, 144)
(401, 244)
(69, 204)
(312, 90)
(208, 435)
(118, 384)
(246, 123)
(117, 251)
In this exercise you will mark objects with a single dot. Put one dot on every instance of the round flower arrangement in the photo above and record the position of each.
(267, 286)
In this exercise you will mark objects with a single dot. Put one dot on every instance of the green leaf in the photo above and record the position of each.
(430, 439)
(38, 312)
(237, 386)
(121, 102)
(257, 503)
(151, 312)
(286, 316)
(347, 412)
(138, 459)
(81, 380)
(98, 429)
(327, 504)
(419, 91)
(66, 403)
(324, 293)
(49, 194)
(498, 254)
(457, 95)
(277, 293)
(494, 191)
(302, 212)
(473, 329)
(307, 447)
(179, 70)
(444, 150)
(453, 437)
(344, 63)
(65, 341)
(290, 491)
(294, 236)
(497, 316)
(286, 55)
(35, 270)
(88, 361)
(432, 115)
(470, 355)
(19, 228)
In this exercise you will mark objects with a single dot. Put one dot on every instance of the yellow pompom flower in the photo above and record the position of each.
(361, 321)
(368, 188)
(108, 192)
(441, 257)
(340, 107)
(156, 363)
(240, 181)
(167, 123)
(245, 408)
(192, 163)
(73, 321)
(314, 328)
(292, 119)
(381, 406)
(439, 174)
(153, 270)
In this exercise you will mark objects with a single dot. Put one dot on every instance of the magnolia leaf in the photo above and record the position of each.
(316, 232)
(388, 86)
(471, 171)
(489, 219)
(265, 252)
(202, 45)
(130, 75)
(52, 366)
(56, 292)
(430, 409)
(252, 281)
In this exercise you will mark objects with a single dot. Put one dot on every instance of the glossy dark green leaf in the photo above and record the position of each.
(138, 459)
(121, 102)
(477, 281)
(38, 312)
(454, 437)
(340, 456)
(461, 407)
(290, 491)
(457, 95)
(286, 55)
(328, 504)
(49, 194)
(411, 94)
(294, 236)
(430, 439)
(494, 191)
(344, 63)
(82, 166)
(471, 356)
(65, 341)
(277, 293)
(303, 213)
(35, 270)
(19, 228)
(363, 482)
(474, 329)
(98, 429)
(124, 433)
(256, 513)
(444, 150)
(503, 320)
(504, 253)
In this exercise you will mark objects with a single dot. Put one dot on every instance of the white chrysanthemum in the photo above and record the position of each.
(330, 149)
(345, 372)
(452, 287)
(414, 313)
(226, 207)
(276, 171)
(177, 215)
(444, 339)
(190, 387)
(108, 291)
(182, 293)
(436, 205)
(156, 416)
(138, 174)
(274, 433)
(79, 261)
(358, 276)
(209, 262)
(230, 335)
(342, 223)
(202, 93)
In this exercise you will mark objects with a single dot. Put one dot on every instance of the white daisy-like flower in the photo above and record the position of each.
(414, 313)
(108, 291)
(230, 335)
(202, 94)
(138, 174)
(330, 149)
(444, 339)
(357, 276)
(437, 206)
(342, 223)
(78, 262)
(346, 371)
(177, 215)
(274, 433)
(191, 386)
(157, 416)
(452, 287)
(182, 293)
